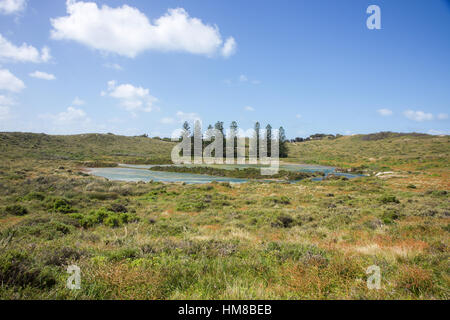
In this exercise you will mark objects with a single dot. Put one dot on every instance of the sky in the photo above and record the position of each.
(145, 66)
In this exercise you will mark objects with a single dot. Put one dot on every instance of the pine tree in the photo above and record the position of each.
(282, 143)
(233, 135)
(186, 129)
(219, 126)
(257, 132)
(269, 140)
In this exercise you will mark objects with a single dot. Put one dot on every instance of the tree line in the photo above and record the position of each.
(233, 132)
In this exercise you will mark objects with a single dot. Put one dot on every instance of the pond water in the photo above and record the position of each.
(135, 173)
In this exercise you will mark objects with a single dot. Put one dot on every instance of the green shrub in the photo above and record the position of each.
(278, 200)
(113, 221)
(117, 207)
(60, 205)
(191, 206)
(44, 228)
(108, 218)
(390, 216)
(16, 210)
(18, 270)
(102, 195)
(284, 221)
(389, 199)
(122, 254)
(62, 256)
(34, 196)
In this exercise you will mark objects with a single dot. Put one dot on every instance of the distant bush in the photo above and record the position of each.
(284, 221)
(34, 196)
(60, 205)
(98, 164)
(191, 206)
(389, 199)
(102, 195)
(124, 253)
(390, 216)
(278, 200)
(117, 207)
(105, 216)
(16, 210)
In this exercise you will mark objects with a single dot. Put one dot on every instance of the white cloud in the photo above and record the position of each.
(418, 116)
(167, 120)
(128, 32)
(229, 48)
(131, 98)
(248, 108)
(10, 82)
(385, 112)
(72, 116)
(42, 75)
(298, 116)
(114, 66)
(442, 116)
(78, 102)
(12, 6)
(24, 53)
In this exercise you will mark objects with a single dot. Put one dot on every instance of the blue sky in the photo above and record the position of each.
(310, 66)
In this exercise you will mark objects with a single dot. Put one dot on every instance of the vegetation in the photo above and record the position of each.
(245, 173)
(384, 151)
(257, 240)
(90, 149)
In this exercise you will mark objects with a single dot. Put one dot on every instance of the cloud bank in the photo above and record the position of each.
(23, 53)
(12, 6)
(128, 32)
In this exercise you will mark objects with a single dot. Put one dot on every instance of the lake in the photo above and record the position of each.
(135, 173)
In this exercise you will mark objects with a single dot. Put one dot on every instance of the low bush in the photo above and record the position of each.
(16, 210)
(34, 196)
(278, 200)
(60, 205)
(283, 221)
(18, 270)
(105, 216)
(389, 199)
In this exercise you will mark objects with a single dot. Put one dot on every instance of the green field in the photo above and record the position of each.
(257, 240)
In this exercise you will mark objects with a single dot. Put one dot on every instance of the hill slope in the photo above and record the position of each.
(382, 150)
(106, 147)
